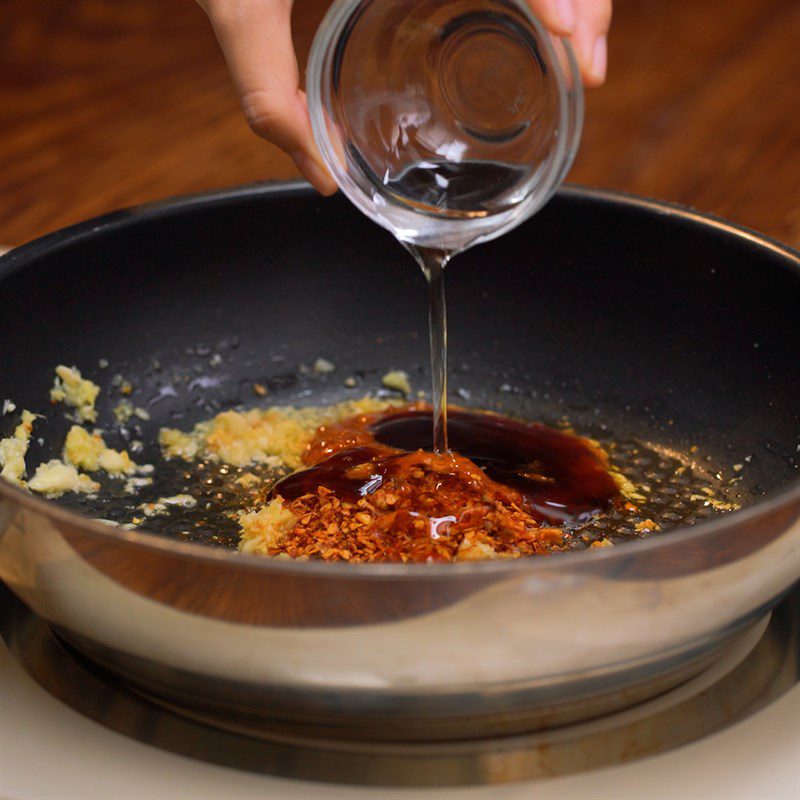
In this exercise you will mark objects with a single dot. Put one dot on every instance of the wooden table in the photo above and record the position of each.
(108, 103)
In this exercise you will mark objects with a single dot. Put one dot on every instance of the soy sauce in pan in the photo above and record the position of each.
(561, 477)
(679, 487)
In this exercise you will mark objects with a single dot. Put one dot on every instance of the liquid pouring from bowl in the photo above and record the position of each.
(448, 123)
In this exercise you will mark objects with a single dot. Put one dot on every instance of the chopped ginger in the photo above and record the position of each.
(264, 529)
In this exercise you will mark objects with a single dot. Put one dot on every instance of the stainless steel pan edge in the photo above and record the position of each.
(501, 654)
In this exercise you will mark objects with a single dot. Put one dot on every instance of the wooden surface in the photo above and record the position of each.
(108, 103)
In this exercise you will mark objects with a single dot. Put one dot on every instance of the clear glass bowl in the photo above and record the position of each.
(448, 122)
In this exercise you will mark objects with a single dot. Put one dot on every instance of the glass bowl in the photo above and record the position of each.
(447, 122)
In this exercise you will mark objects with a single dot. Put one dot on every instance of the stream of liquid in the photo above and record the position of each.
(432, 263)
(466, 189)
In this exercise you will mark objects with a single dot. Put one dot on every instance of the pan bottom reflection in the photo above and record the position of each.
(759, 666)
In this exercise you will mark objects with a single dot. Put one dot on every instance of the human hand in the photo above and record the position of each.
(256, 39)
(585, 24)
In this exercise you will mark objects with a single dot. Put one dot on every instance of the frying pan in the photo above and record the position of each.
(651, 320)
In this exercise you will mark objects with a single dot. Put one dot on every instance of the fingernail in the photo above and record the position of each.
(565, 12)
(316, 174)
(599, 58)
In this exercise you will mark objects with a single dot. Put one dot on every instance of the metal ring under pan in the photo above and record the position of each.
(758, 667)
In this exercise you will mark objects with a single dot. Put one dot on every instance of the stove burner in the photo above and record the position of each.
(759, 666)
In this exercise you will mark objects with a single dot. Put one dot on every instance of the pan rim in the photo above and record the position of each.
(18, 257)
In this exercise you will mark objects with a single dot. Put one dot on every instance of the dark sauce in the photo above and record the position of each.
(335, 473)
(561, 477)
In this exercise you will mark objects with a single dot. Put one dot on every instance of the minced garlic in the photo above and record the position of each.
(14, 448)
(323, 367)
(55, 477)
(124, 410)
(273, 436)
(70, 388)
(88, 451)
(178, 444)
(248, 480)
(626, 487)
(253, 436)
(398, 381)
(132, 485)
(162, 505)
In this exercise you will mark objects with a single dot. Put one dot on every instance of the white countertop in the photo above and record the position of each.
(50, 752)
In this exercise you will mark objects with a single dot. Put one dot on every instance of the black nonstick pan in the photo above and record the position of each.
(630, 317)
